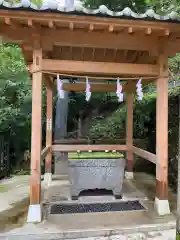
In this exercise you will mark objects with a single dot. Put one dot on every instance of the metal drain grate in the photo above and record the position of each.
(95, 207)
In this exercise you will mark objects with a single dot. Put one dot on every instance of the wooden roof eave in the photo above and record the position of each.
(72, 26)
(64, 37)
(43, 16)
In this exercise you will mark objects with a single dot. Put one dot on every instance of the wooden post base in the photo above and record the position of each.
(129, 175)
(34, 214)
(161, 207)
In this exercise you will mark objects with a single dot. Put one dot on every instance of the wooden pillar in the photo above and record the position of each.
(161, 199)
(34, 213)
(49, 115)
(129, 135)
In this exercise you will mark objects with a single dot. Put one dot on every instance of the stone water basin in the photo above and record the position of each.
(90, 174)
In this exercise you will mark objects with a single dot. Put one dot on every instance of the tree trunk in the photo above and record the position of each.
(178, 185)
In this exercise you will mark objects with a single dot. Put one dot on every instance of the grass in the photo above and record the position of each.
(94, 155)
(177, 236)
(3, 188)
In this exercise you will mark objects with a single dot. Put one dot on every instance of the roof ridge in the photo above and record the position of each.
(78, 7)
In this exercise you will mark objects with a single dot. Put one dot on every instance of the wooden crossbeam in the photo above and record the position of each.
(74, 148)
(99, 68)
(144, 154)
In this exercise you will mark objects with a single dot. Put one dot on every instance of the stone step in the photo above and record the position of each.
(60, 177)
(47, 232)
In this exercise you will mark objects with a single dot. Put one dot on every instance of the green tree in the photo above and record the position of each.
(164, 6)
(160, 6)
(115, 5)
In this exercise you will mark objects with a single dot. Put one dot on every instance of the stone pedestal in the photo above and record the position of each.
(61, 163)
(96, 174)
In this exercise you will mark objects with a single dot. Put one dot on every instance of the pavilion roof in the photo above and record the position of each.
(97, 42)
(78, 9)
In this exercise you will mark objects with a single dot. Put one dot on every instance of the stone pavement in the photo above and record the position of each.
(14, 197)
(163, 235)
(12, 191)
(34, 231)
(91, 227)
(158, 235)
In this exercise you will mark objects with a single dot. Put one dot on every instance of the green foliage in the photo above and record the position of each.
(164, 6)
(14, 87)
(160, 6)
(11, 60)
(174, 66)
(110, 127)
(144, 119)
(21, 172)
(177, 236)
(15, 100)
(138, 5)
(15, 91)
(3, 188)
(114, 126)
(78, 106)
(36, 2)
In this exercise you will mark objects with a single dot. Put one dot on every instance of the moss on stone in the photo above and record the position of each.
(95, 155)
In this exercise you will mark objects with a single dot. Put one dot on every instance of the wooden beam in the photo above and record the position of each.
(129, 131)
(130, 30)
(148, 31)
(144, 154)
(172, 47)
(49, 115)
(51, 24)
(36, 129)
(91, 27)
(71, 26)
(30, 23)
(162, 130)
(98, 68)
(85, 148)
(7, 21)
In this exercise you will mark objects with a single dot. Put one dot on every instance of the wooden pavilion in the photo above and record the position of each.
(100, 44)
